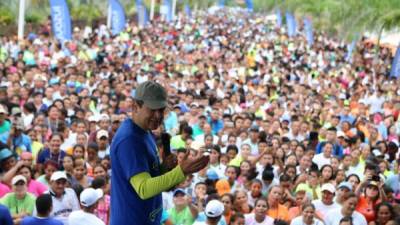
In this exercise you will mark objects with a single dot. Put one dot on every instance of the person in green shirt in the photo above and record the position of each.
(19, 202)
(179, 141)
(5, 125)
(183, 212)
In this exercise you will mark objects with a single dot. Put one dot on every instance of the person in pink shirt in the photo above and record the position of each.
(4, 189)
(34, 187)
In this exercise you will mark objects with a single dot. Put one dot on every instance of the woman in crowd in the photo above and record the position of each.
(19, 201)
(385, 214)
(307, 216)
(259, 215)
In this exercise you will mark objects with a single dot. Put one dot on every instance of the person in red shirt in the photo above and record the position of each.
(373, 195)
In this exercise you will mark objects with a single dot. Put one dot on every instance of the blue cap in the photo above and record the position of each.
(5, 153)
(179, 191)
(212, 175)
(345, 184)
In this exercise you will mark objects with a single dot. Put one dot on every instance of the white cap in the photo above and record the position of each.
(214, 208)
(18, 178)
(90, 196)
(58, 175)
(102, 133)
(196, 145)
(104, 117)
(328, 187)
(92, 119)
(341, 134)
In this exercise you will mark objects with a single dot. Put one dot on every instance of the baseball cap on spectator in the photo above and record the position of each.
(19, 125)
(195, 145)
(17, 179)
(345, 184)
(212, 175)
(328, 187)
(102, 133)
(104, 117)
(194, 104)
(214, 208)
(152, 94)
(90, 196)
(373, 183)
(341, 134)
(222, 187)
(58, 175)
(92, 119)
(254, 129)
(302, 187)
(3, 110)
(5, 154)
(179, 191)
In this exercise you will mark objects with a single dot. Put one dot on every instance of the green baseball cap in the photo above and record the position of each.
(152, 94)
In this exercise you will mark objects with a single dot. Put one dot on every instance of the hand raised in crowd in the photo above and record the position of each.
(194, 164)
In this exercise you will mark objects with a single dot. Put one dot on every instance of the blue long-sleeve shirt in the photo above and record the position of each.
(337, 149)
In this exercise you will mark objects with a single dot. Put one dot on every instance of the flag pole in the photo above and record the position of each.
(152, 8)
(21, 19)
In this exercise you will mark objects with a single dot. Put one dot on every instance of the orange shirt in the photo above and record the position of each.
(367, 209)
(281, 212)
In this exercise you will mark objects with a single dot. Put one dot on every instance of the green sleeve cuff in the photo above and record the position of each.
(147, 187)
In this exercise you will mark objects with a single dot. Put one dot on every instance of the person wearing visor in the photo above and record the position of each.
(138, 176)
(19, 201)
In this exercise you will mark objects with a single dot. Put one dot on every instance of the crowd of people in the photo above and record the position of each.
(297, 134)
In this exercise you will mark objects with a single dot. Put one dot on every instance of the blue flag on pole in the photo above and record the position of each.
(60, 19)
(291, 24)
(188, 12)
(168, 5)
(350, 49)
(249, 5)
(117, 17)
(309, 31)
(278, 18)
(395, 71)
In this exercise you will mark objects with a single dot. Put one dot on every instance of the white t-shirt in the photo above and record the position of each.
(299, 221)
(334, 217)
(64, 206)
(83, 218)
(250, 219)
(320, 160)
(324, 209)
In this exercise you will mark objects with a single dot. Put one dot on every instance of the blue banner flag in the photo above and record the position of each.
(168, 5)
(60, 19)
(350, 48)
(291, 24)
(221, 3)
(188, 12)
(278, 18)
(309, 31)
(395, 71)
(249, 5)
(117, 17)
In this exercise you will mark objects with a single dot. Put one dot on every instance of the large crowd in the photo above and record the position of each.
(297, 134)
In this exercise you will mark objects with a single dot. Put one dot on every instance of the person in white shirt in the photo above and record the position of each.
(307, 216)
(89, 199)
(64, 199)
(259, 217)
(347, 210)
(213, 211)
(326, 204)
(325, 156)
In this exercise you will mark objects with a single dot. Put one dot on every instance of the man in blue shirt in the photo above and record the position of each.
(138, 180)
(44, 205)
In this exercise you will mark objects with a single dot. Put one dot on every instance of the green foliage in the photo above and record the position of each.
(6, 16)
